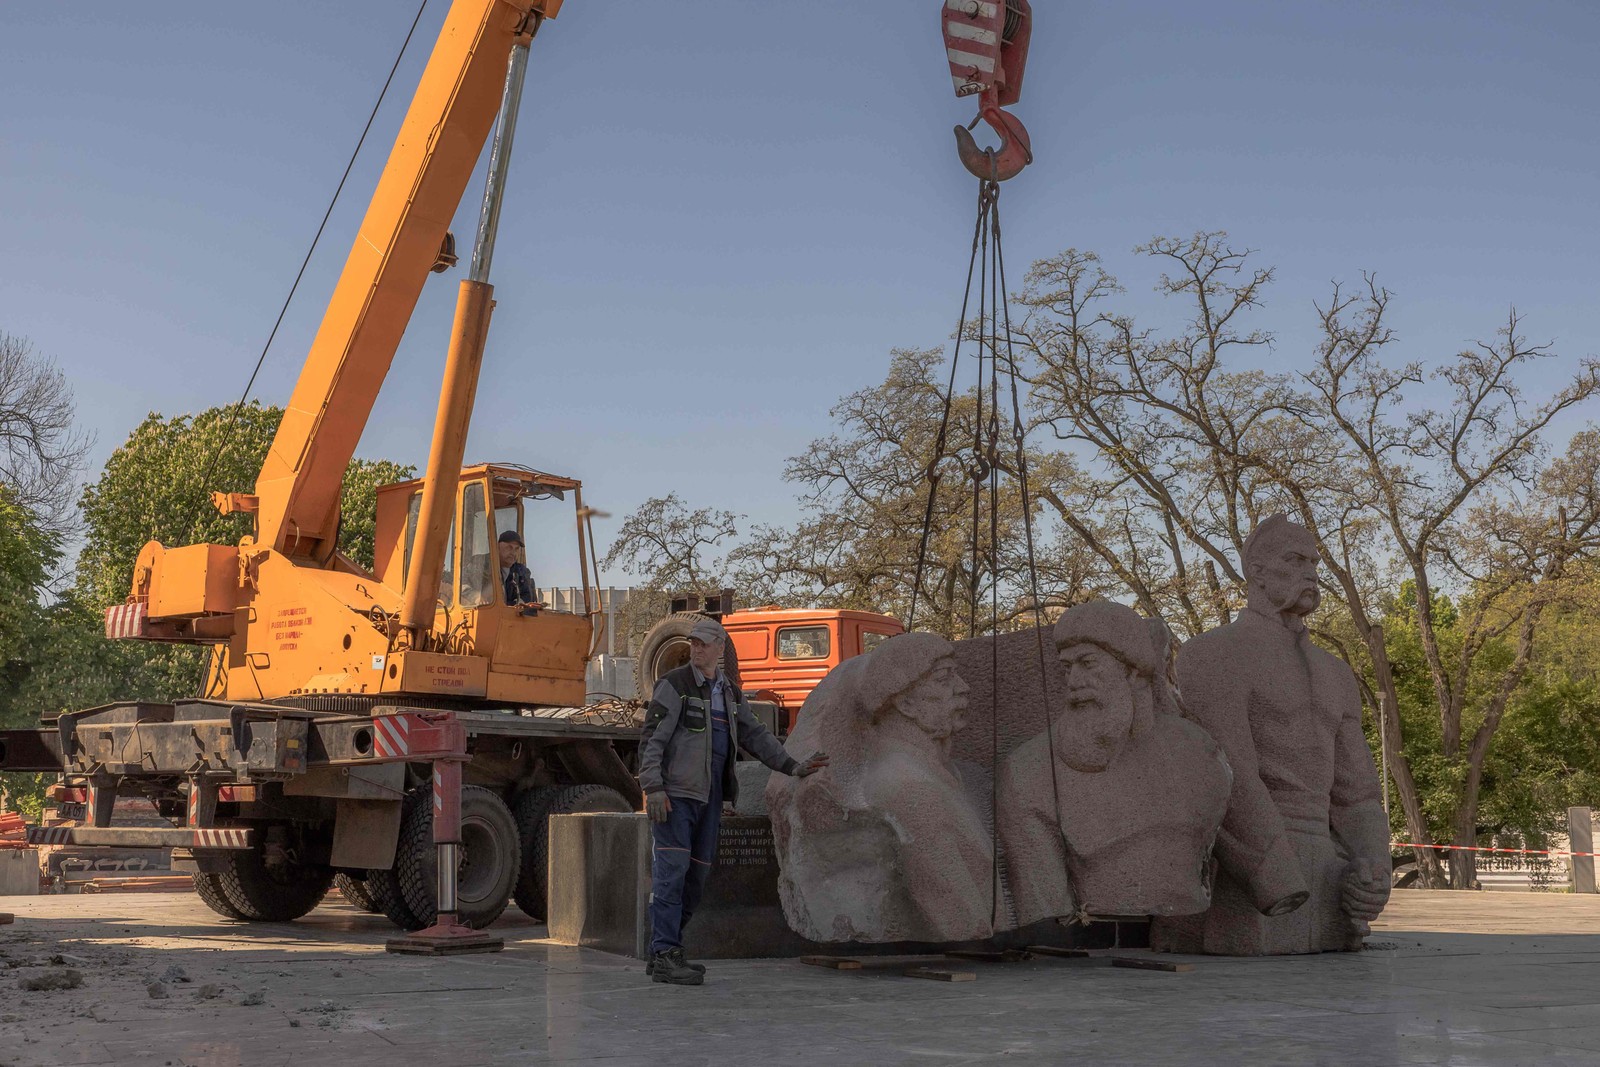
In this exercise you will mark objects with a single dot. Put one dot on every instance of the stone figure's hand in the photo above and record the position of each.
(658, 805)
(1363, 894)
(815, 763)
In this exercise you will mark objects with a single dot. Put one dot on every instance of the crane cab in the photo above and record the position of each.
(480, 644)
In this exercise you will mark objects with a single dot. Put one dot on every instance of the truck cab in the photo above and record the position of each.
(778, 654)
(785, 652)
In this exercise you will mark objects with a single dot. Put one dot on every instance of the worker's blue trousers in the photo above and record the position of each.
(685, 846)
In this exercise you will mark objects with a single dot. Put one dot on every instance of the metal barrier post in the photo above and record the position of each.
(1580, 832)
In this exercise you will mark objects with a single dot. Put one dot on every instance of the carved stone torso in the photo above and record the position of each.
(1288, 714)
(1137, 835)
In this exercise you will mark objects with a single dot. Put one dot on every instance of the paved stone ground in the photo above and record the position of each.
(1451, 979)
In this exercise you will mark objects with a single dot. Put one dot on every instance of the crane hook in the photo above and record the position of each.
(995, 164)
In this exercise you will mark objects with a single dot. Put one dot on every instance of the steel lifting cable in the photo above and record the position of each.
(233, 413)
(933, 473)
(994, 312)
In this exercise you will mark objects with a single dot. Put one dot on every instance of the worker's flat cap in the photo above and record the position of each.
(511, 535)
(708, 631)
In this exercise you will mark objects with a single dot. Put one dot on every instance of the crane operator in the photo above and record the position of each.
(514, 574)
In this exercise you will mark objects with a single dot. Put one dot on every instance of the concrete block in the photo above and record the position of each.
(19, 872)
(600, 882)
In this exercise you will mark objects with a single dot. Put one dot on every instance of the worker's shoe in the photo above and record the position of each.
(670, 967)
(650, 965)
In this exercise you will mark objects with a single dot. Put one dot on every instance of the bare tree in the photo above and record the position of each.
(667, 546)
(40, 451)
(865, 499)
(1456, 496)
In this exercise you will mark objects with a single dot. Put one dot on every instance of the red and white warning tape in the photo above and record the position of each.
(392, 735)
(1479, 848)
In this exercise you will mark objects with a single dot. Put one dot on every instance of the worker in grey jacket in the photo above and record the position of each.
(697, 720)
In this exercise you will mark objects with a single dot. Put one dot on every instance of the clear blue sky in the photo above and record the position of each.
(723, 215)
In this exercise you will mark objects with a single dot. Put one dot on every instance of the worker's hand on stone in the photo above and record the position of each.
(1363, 893)
(658, 805)
(815, 763)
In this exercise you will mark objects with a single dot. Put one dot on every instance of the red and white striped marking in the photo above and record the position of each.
(438, 791)
(126, 620)
(972, 42)
(222, 838)
(392, 735)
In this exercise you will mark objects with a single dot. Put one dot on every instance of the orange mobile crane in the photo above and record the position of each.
(404, 730)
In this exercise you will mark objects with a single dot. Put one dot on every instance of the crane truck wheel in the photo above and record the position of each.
(208, 887)
(531, 808)
(666, 647)
(490, 859)
(274, 892)
(571, 800)
(353, 887)
(384, 885)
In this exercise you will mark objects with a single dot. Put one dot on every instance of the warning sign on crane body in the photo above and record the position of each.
(290, 625)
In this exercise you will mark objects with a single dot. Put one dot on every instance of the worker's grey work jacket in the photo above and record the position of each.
(676, 753)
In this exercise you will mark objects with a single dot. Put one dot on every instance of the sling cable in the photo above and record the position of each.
(987, 46)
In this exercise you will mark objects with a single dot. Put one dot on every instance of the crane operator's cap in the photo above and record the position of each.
(707, 631)
(511, 535)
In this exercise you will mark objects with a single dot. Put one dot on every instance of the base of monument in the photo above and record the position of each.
(600, 899)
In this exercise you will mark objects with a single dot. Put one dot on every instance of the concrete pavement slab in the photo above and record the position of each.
(1450, 985)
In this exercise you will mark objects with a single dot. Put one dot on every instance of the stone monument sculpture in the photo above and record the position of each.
(1115, 808)
(886, 846)
(1304, 851)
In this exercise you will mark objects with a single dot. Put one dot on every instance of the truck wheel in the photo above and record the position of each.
(572, 800)
(531, 808)
(490, 859)
(354, 889)
(666, 647)
(273, 892)
(384, 885)
(208, 886)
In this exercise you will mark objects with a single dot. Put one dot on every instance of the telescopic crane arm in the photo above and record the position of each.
(399, 243)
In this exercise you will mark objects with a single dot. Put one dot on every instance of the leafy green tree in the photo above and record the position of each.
(27, 553)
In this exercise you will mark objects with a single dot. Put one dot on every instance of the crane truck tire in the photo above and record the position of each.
(354, 888)
(384, 885)
(272, 892)
(208, 887)
(531, 808)
(491, 859)
(571, 800)
(666, 647)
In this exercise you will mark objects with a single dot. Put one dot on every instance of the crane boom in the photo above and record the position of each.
(398, 244)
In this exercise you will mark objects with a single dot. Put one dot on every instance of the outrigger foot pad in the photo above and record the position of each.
(445, 940)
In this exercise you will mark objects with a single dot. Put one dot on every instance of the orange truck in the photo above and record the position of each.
(778, 654)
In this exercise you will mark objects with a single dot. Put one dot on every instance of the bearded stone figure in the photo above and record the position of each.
(1305, 848)
(886, 845)
(1114, 809)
